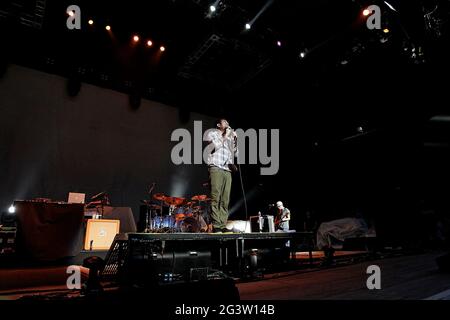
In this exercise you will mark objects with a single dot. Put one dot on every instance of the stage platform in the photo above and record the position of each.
(243, 242)
(222, 236)
(237, 254)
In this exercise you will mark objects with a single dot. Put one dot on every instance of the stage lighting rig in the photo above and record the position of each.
(436, 18)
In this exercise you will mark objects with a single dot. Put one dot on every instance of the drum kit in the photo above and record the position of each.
(175, 214)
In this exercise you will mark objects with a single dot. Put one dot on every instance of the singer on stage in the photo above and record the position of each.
(220, 165)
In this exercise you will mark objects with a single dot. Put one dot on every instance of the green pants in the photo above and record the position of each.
(220, 196)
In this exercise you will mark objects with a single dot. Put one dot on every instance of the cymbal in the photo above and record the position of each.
(159, 196)
(174, 201)
(201, 197)
(151, 205)
(188, 203)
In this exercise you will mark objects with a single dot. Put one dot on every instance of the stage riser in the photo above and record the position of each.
(150, 262)
(149, 258)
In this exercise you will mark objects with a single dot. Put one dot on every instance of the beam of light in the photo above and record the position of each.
(108, 27)
(180, 182)
(436, 145)
(390, 6)
(263, 9)
(136, 38)
(70, 13)
(238, 205)
(440, 118)
(91, 22)
(359, 134)
(386, 30)
(366, 12)
(149, 43)
(213, 9)
(162, 48)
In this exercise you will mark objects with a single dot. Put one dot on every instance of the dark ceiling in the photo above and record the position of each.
(213, 65)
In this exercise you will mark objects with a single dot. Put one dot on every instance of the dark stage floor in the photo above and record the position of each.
(406, 277)
(403, 277)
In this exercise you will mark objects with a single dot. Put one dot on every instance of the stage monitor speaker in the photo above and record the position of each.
(100, 233)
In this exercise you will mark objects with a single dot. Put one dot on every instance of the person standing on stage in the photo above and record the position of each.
(223, 143)
(283, 217)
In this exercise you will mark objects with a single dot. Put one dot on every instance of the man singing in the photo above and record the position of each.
(223, 142)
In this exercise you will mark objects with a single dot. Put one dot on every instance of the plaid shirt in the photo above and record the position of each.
(285, 214)
(223, 150)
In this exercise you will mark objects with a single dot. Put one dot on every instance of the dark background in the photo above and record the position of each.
(393, 170)
(52, 144)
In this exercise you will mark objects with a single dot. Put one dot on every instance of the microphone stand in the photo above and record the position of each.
(240, 178)
(149, 220)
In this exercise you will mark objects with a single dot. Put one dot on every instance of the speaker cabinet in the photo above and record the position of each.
(100, 234)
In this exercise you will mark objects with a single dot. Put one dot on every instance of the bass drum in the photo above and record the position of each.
(192, 225)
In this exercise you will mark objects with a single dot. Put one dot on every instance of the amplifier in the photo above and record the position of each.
(100, 233)
(262, 224)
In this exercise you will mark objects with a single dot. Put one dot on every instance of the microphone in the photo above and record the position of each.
(231, 131)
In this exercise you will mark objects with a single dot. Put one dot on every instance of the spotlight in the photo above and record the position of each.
(386, 30)
(279, 43)
(248, 26)
(70, 13)
(108, 28)
(366, 12)
(91, 22)
(149, 43)
(302, 54)
(12, 209)
(212, 8)
(136, 38)
(162, 49)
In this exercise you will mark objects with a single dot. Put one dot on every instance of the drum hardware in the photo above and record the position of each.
(99, 200)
